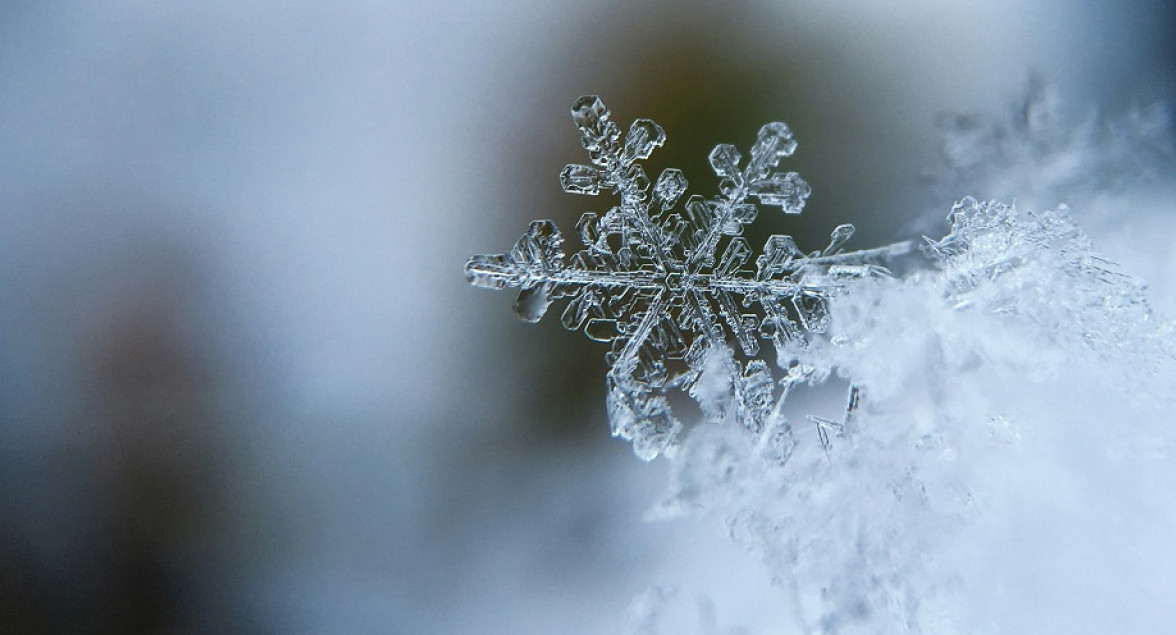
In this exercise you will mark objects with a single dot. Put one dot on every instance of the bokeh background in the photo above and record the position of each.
(244, 386)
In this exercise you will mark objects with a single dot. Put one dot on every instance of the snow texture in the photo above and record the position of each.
(1041, 155)
(980, 382)
(654, 284)
(1116, 167)
(1008, 417)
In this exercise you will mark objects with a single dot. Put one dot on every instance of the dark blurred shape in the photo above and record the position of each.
(25, 605)
(157, 469)
(133, 490)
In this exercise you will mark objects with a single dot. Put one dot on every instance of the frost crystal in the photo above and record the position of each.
(667, 288)
(1009, 407)
(1017, 344)
(1039, 269)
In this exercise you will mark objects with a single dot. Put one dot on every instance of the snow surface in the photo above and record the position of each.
(1008, 422)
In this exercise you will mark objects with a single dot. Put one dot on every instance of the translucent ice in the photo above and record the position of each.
(672, 286)
(974, 382)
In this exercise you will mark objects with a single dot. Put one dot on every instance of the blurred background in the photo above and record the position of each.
(244, 386)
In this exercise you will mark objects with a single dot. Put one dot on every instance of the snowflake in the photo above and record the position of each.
(654, 283)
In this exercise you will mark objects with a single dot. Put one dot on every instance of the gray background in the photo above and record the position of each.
(244, 386)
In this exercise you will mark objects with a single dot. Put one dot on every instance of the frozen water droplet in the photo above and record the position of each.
(532, 302)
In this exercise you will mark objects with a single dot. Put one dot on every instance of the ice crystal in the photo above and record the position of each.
(1016, 370)
(667, 288)
(973, 375)
(1040, 270)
